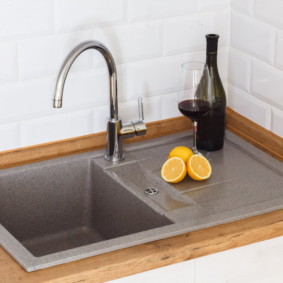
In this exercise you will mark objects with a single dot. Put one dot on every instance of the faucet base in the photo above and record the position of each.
(114, 145)
(114, 159)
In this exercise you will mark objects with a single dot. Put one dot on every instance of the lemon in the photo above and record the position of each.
(199, 168)
(173, 170)
(181, 151)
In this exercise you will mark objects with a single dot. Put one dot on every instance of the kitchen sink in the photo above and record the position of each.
(59, 205)
(74, 207)
(64, 206)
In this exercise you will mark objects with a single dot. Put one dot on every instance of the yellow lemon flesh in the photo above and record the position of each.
(181, 151)
(173, 170)
(199, 168)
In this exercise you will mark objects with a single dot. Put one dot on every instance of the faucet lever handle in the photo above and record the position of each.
(140, 126)
(140, 106)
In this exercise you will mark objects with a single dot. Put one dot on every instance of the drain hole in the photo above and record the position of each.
(151, 191)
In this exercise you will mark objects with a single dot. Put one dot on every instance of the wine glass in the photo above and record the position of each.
(194, 95)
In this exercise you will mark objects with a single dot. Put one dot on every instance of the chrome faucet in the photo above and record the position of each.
(116, 132)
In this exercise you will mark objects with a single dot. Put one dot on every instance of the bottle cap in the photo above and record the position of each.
(212, 43)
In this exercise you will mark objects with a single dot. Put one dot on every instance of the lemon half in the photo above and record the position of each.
(199, 168)
(174, 170)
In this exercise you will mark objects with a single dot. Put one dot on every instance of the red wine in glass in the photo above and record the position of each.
(194, 95)
(194, 108)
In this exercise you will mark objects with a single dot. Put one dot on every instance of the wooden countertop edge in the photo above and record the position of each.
(246, 129)
(158, 253)
(151, 255)
(40, 152)
(255, 134)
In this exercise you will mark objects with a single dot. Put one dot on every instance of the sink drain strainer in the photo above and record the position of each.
(151, 191)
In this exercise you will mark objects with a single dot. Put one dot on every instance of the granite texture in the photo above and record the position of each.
(78, 206)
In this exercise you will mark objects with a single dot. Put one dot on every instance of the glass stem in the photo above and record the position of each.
(195, 128)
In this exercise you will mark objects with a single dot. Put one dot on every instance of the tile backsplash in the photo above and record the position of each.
(148, 40)
(256, 62)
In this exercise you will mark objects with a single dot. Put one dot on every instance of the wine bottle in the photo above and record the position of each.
(211, 127)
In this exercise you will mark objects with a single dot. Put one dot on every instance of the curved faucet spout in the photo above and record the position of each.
(57, 103)
(115, 131)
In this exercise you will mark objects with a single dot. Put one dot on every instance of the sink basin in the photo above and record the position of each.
(60, 205)
(69, 208)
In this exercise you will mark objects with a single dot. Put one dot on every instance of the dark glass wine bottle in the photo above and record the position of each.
(211, 127)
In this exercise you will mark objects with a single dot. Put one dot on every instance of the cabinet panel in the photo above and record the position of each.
(183, 272)
(259, 262)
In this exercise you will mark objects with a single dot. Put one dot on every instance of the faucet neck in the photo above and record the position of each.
(116, 132)
(111, 69)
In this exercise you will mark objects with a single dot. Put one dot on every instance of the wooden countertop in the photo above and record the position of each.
(151, 255)
(155, 254)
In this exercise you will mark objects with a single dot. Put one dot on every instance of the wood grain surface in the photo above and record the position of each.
(246, 129)
(151, 255)
(85, 143)
(255, 134)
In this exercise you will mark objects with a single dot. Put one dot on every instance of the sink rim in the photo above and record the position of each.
(160, 232)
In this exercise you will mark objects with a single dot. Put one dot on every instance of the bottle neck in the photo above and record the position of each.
(211, 60)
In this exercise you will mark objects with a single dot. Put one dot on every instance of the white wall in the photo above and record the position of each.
(257, 263)
(148, 39)
(256, 62)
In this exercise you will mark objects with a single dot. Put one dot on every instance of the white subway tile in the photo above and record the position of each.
(148, 9)
(170, 106)
(90, 88)
(252, 36)
(161, 76)
(132, 41)
(277, 122)
(19, 19)
(152, 109)
(8, 62)
(9, 134)
(56, 127)
(100, 118)
(223, 63)
(279, 50)
(87, 88)
(73, 14)
(154, 77)
(271, 11)
(44, 56)
(23, 100)
(239, 69)
(245, 6)
(216, 4)
(185, 34)
(122, 82)
(267, 83)
(225, 85)
(250, 107)
(128, 111)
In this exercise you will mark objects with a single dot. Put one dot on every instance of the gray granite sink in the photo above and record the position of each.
(60, 205)
(74, 207)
